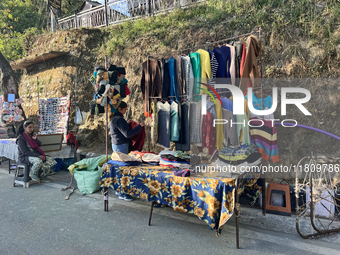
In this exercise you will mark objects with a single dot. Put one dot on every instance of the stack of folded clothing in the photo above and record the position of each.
(152, 159)
(174, 159)
(240, 155)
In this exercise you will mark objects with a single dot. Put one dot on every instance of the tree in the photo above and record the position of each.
(17, 17)
(8, 81)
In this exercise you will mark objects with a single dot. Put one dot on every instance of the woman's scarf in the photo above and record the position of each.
(33, 144)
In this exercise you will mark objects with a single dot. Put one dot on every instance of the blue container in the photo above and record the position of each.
(59, 166)
(68, 162)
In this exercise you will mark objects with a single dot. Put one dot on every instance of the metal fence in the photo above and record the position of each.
(116, 11)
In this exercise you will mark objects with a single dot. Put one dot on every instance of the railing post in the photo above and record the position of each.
(105, 13)
(75, 19)
(148, 8)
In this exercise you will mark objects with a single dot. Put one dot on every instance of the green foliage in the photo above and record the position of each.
(17, 19)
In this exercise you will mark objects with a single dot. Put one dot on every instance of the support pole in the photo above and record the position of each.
(38, 94)
(237, 214)
(152, 205)
(52, 20)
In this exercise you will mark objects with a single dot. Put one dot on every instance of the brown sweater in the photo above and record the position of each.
(251, 69)
(154, 80)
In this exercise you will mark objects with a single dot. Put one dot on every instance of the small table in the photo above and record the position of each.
(210, 198)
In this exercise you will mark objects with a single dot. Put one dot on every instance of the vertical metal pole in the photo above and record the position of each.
(152, 205)
(106, 129)
(237, 214)
(52, 20)
(38, 94)
(105, 62)
(105, 14)
(147, 94)
(75, 19)
(261, 70)
(75, 87)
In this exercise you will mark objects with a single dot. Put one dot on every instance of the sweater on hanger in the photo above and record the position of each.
(238, 57)
(251, 75)
(173, 80)
(179, 75)
(243, 59)
(155, 84)
(229, 130)
(214, 67)
(232, 69)
(196, 69)
(223, 57)
(188, 76)
(163, 115)
(164, 67)
(184, 145)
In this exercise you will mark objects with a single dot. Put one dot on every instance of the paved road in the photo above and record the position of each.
(39, 220)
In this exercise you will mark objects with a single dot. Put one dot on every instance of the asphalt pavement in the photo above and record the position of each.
(38, 220)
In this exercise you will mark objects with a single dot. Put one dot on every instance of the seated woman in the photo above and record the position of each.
(31, 154)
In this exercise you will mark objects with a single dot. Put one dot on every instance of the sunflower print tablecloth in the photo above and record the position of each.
(210, 198)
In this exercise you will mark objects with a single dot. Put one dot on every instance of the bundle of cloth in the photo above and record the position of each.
(150, 158)
(174, 159)
(240, 155)
(122, 159)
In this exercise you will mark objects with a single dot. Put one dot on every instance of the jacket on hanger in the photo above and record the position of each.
(251, 74)
(155, 84)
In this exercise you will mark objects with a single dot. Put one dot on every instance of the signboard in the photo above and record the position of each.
(55, 4)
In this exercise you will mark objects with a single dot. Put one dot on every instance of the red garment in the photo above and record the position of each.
(33, 144)
(208, 133)
(139, 139)
(243, 59)
(141, 153)
(127, 91)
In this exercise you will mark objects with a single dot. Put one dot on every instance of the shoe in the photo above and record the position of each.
(121, 196)
(35, 177)
(128, 198)
(117, 193)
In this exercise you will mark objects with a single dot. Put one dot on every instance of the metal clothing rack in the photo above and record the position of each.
(171, 53)
(237, 208)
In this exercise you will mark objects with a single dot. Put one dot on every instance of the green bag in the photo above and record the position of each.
(87, 180)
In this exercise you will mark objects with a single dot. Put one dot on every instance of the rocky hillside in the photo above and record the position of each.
(301, 39)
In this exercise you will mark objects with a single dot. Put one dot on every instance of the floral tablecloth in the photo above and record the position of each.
(208, 197)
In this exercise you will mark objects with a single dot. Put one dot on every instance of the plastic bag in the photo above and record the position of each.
(80, 117)
(88, 181)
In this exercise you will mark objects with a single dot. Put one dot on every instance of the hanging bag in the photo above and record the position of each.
(80, 117)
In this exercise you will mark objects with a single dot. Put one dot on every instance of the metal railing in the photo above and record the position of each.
(116, 11)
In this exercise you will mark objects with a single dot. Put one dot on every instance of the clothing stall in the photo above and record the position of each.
(173, 87)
